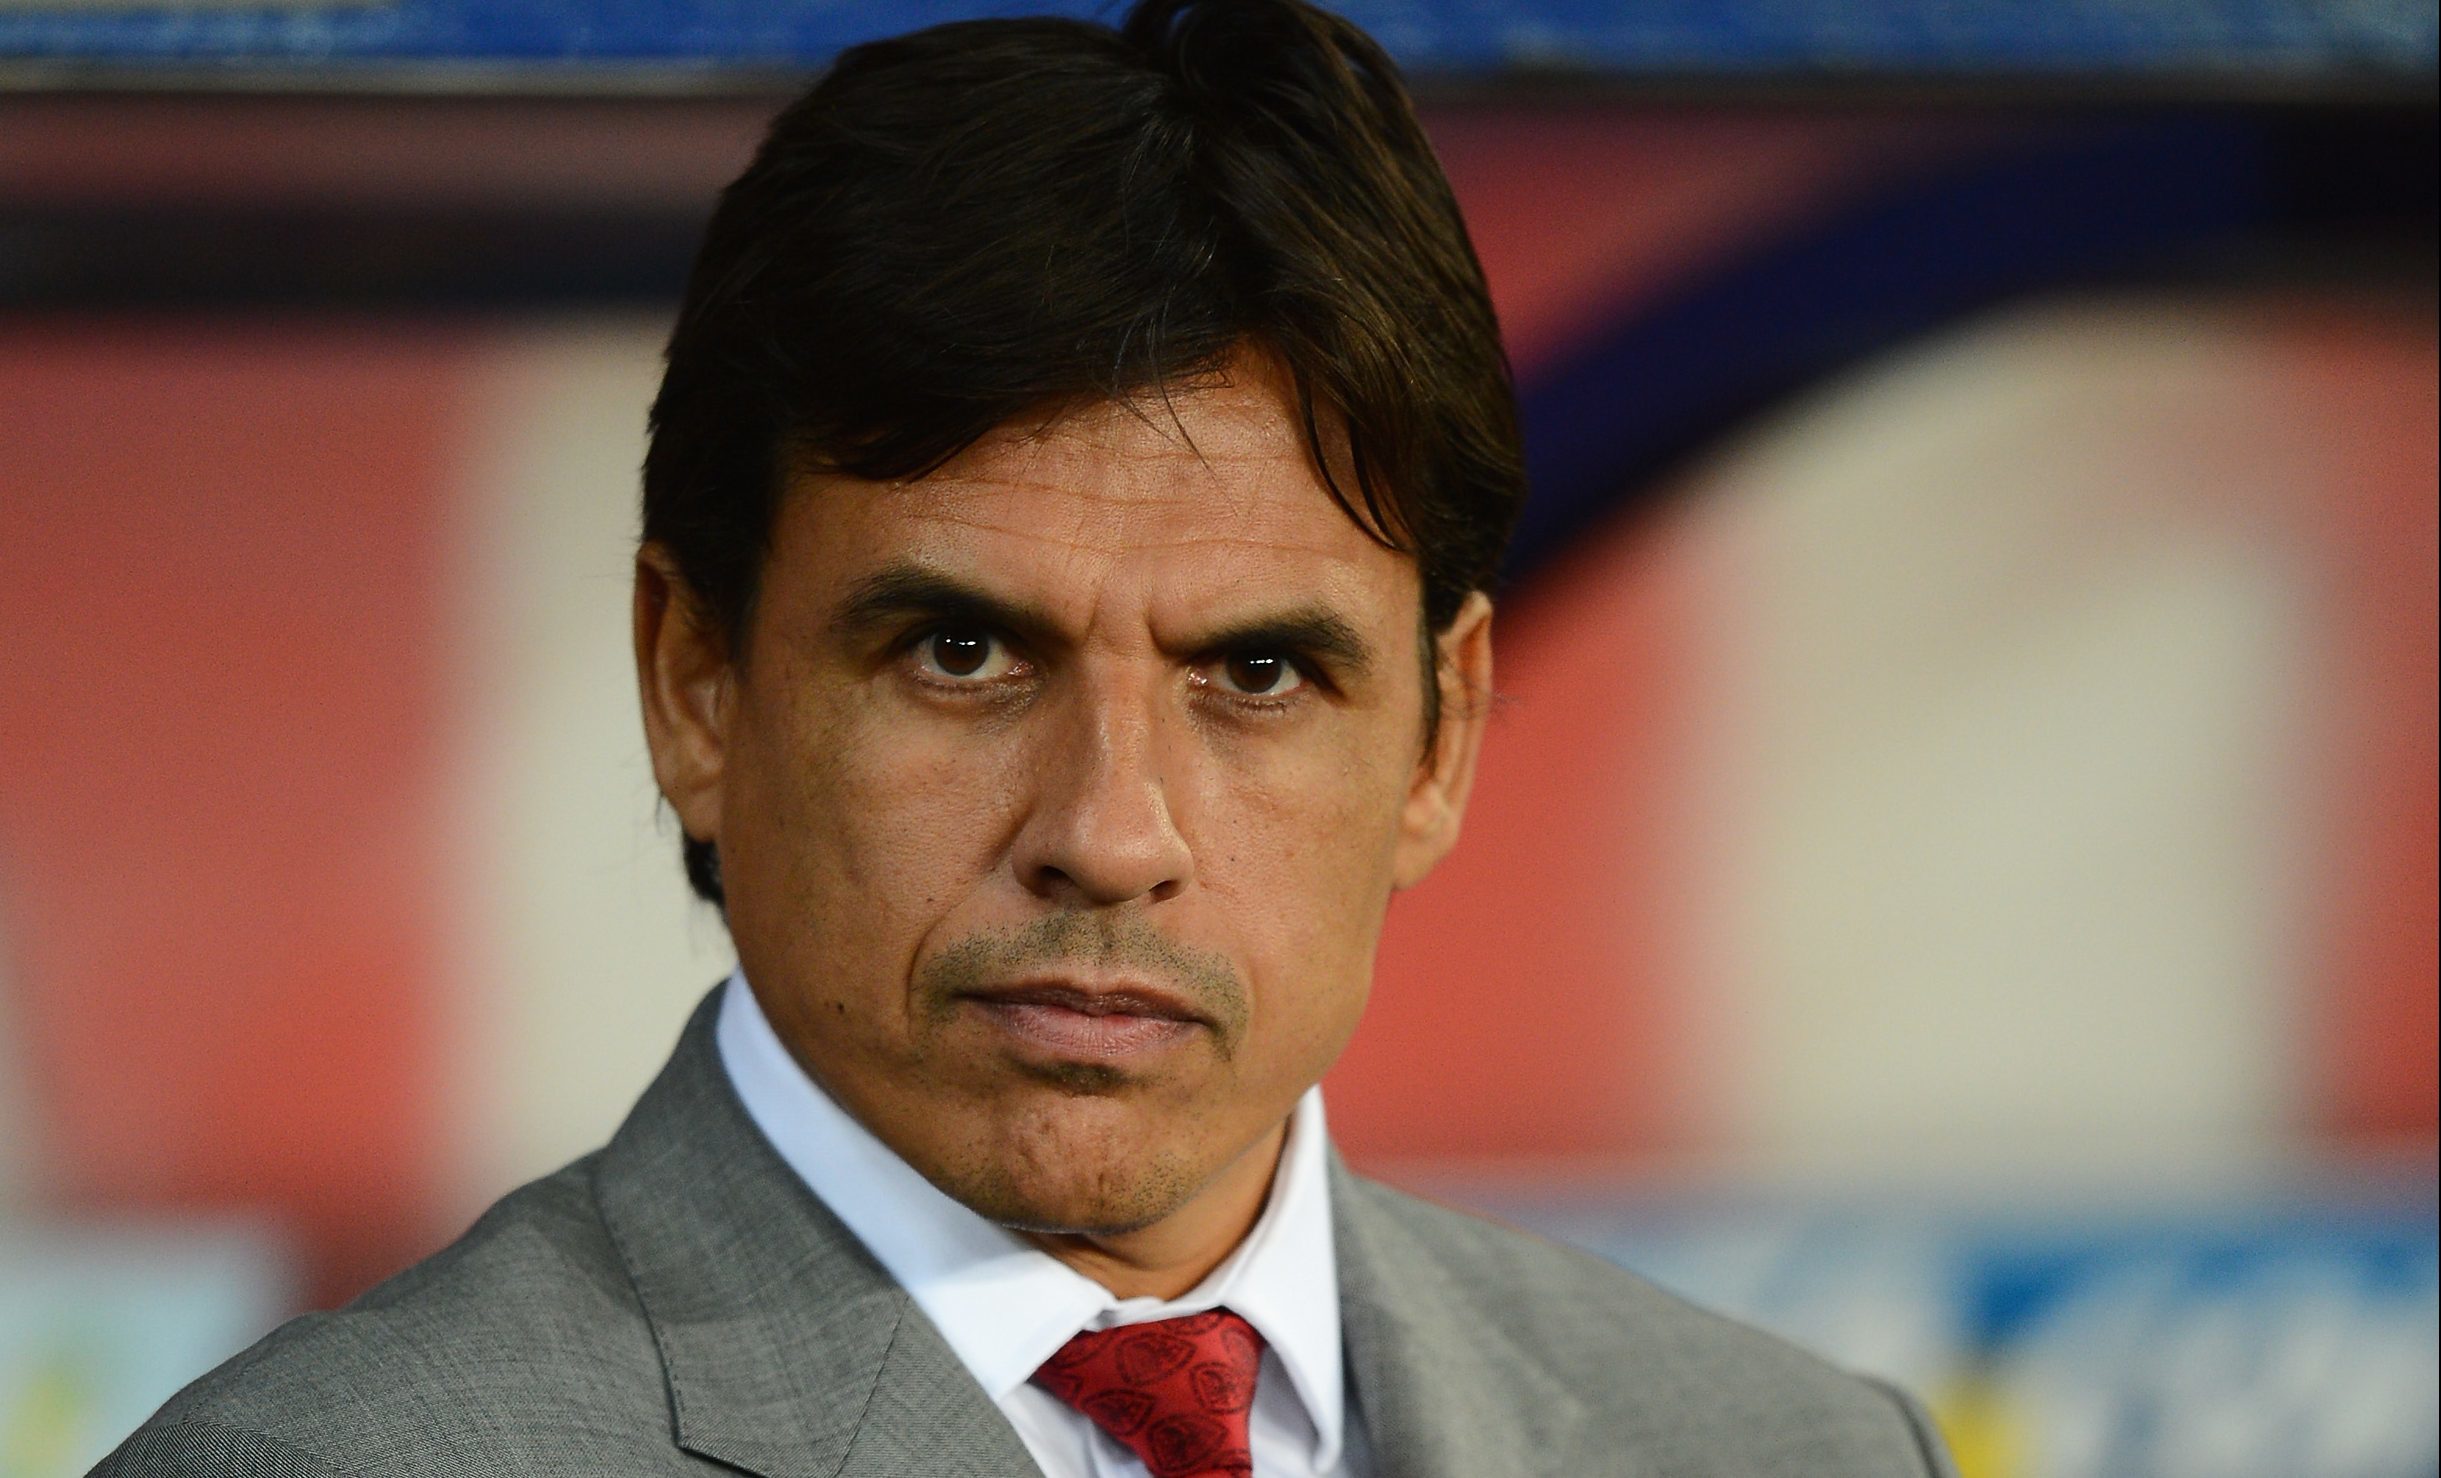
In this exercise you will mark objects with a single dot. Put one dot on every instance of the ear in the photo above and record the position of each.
(683, 674)
(1436, 799)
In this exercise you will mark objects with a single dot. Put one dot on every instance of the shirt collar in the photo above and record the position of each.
(1005, 1306)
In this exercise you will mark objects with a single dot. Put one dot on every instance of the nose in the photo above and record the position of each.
(1100, 830)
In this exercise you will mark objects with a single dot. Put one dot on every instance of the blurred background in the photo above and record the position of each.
(1953, 875)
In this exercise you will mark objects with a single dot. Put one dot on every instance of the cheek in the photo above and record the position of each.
(1299, 855)
(869, 829)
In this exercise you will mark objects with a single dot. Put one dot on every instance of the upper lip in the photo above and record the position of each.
(1093, 998)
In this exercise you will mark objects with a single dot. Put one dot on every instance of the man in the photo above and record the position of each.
(1061, 625)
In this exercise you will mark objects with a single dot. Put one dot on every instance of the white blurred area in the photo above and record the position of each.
(584, 950)
(2016, 756)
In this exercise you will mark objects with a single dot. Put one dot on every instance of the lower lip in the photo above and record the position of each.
(1079, 1034)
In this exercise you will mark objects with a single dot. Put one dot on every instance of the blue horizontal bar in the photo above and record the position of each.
(1832, 38)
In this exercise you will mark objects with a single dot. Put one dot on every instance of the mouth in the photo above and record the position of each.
(1119, 1024)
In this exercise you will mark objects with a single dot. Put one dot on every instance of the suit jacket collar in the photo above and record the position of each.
(1444, 1391)
(790, 1352)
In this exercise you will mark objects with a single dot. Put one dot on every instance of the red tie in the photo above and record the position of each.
(1176, 1391)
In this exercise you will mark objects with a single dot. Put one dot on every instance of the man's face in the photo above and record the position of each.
(1059, 794)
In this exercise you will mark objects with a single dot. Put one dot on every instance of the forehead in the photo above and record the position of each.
(1207, 492)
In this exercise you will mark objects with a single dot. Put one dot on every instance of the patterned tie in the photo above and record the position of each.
(1175, 1391)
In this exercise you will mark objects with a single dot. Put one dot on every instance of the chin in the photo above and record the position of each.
(1053, 1174)
(1107, 1204)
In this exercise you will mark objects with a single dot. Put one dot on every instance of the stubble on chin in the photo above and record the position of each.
(1045, 1173)
(1080, 1079)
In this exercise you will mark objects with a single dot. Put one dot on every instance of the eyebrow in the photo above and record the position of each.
(904, 590)
(1313, 630)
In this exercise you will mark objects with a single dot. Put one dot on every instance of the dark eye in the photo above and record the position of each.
(1261, 675)
(965, 653)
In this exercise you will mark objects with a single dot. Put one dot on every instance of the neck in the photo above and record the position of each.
(1167, 1258)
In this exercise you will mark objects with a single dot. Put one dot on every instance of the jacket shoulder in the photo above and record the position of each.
(1714, 1395)
(520, 1348)
(210, 1450)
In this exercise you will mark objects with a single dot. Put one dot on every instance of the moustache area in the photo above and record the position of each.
(1093, 948)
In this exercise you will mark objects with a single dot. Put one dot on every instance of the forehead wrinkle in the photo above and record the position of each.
(1091, 521)
(971, 506)
(1090, 555)
(1078, 456)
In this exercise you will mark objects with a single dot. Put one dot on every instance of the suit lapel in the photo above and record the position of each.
(1443, 1391)
(929, 1417)
(790, 1352)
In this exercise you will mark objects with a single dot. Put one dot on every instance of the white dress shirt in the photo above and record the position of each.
(1005, 1306)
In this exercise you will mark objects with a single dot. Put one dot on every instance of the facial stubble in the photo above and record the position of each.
(1135, 1191)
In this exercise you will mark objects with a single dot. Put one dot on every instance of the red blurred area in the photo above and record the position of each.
(1533, 997)
(2372, 393)
(227, 629)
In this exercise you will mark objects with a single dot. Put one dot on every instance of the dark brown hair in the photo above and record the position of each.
(995, 218)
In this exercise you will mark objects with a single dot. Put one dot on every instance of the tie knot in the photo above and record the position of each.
(1176, 1392)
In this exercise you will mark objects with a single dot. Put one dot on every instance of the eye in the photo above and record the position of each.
(963, 654)
(1260, 675)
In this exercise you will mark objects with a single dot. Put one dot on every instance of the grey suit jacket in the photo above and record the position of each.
(679, 1303)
